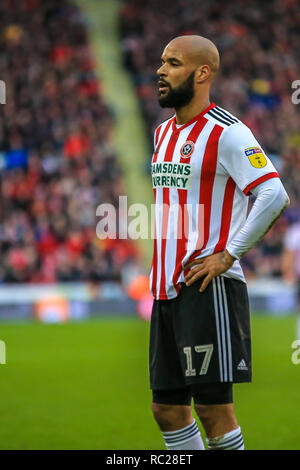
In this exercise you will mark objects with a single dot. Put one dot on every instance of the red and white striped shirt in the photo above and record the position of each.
(202, 173)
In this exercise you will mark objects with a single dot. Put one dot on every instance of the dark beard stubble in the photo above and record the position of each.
(180, 96)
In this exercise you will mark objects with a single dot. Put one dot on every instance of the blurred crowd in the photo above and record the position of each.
(57, 163)
(260, 57)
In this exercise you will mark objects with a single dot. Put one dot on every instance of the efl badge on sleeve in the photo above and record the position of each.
(187, 149)
(256, 157)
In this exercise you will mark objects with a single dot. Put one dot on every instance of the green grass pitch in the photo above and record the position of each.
(85, 386)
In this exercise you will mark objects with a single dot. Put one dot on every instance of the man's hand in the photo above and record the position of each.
(212, 266)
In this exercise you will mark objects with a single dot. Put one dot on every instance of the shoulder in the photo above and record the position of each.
(158, 130)
(234, 132)
(222, 117)
(163, 124)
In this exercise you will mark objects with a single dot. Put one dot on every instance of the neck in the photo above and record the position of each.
(195, 107)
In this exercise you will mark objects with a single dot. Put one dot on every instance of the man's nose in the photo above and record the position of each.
(161, 71)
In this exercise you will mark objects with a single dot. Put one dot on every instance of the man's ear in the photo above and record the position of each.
(202, 74)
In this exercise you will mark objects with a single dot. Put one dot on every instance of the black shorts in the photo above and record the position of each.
(201, 337)
(202, 394)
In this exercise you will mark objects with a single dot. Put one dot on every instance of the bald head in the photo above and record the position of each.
(198, 50)
(189, 66)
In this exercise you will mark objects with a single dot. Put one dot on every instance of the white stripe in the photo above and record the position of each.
(218, 329)
(151, 274)
(171, 246)
(227, 329)
(224, 349)
(172, 235)
(173, 439)
(183, 441)
(216, 212)
(158, 222)
(163, 126)
(159, 207)
(194, 194)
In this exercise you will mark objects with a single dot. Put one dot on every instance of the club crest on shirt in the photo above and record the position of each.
(256, 157)
(187, 149)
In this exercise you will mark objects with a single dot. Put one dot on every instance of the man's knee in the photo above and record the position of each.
(206, 414)
(217, 419)
(172, 417)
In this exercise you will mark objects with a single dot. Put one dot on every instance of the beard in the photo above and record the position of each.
(180, 96)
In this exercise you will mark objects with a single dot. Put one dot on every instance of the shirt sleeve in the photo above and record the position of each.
(243, 159)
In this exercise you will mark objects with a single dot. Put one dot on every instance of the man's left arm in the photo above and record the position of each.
(271, 200)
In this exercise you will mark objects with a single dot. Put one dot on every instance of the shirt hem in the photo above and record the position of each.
(237, 278)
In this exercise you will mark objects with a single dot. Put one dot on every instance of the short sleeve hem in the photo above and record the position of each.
(258, 181)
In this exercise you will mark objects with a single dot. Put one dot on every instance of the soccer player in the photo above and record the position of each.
(291, 263)
(205, 164)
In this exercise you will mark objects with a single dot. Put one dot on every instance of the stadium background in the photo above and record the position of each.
(75, 132)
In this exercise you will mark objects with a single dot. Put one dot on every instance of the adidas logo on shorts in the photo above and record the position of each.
(242, 365)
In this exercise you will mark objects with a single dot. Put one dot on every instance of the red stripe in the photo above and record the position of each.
(162, 139)
(266, 177)
(166, 207)
(208, 172)
(154, 265)
(196, 118)
(194, 134)
(183, 221)
(157, 132)
(226, 215)
(154, 258)
(182, 197)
